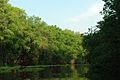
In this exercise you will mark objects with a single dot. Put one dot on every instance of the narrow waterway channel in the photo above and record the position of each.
(54, 72)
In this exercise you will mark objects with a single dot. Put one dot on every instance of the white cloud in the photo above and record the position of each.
(91, 12)
(86, 19)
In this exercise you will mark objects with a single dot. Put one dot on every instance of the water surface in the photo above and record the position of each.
(61, 72)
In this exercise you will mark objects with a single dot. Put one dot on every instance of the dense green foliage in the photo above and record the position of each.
(103, 46)
(26, 40)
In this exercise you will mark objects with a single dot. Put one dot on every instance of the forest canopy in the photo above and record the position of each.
(103, 46)
(27, 40)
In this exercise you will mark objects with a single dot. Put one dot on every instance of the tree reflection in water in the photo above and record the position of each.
(69, 72)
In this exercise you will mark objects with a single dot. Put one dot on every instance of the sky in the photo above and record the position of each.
(76, 15)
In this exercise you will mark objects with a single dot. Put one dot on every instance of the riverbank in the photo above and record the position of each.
(7, 69)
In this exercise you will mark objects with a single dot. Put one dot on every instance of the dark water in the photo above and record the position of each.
(70, 72)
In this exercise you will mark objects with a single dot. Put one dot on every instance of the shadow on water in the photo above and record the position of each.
(69, 72)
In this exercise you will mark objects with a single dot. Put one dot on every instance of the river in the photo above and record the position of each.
(61, 72)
